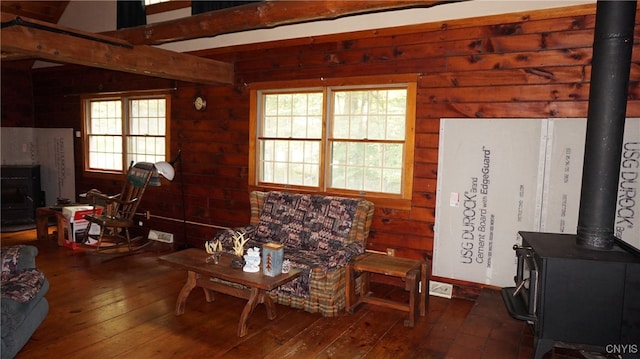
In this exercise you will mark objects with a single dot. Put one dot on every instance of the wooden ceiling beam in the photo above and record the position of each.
(12, 56)
(49, 11)
(59, 44)
(259, 15)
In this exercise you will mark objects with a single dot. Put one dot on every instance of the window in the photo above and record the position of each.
(151, 2)
(122, 129)
(153, 7)
(347, 137)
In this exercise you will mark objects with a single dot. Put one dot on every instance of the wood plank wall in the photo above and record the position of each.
(16, 94)
(532, 65)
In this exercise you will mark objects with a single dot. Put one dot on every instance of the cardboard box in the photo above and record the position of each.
(75, 225)
(77, 213)
(272, 255)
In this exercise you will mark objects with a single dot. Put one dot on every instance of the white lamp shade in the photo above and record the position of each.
(166, 170)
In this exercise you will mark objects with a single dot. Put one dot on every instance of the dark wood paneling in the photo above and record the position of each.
(17, 96)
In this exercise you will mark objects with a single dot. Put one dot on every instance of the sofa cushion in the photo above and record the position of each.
(23, 286)
(309, 260)
(281, 218)
(327, 223)
(16, 258)
(311, 222)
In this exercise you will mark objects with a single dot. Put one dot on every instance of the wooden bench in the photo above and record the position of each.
(414, 273)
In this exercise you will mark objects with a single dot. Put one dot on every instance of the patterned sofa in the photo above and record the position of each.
(23, 303)
(320, 235)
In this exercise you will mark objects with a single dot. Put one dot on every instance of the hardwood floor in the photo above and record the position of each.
(123, 307)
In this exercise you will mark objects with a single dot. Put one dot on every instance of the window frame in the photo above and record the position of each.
(388, 200)
(125, 135)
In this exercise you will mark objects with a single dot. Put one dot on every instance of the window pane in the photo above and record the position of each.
(296, 174)
(147, 117)
(280, 173)
(347, 165)
(393, 155)
(339, 153)
(373, 179)
(268, 151)
(364, 166)
(105, 152)
(357, 127)
(283, 127)
(395, 127)
(355, 154)
(341, 126)
(377, 127)
(270, 126)
(295, 115)
(281, 152)
(106, 117)
(146, 149)
(397, 102)
(266, 175)
(290, 162)
(311, 175)
(354, 178)
(338, 176)
(369, 114)
(392, 180)
(373, 155)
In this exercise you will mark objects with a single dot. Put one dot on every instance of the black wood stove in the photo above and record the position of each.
(583, 290)
(577, 296)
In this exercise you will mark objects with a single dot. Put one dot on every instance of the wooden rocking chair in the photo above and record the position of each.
(119, 210)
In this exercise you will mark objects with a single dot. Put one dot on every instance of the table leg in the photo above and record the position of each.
(412, 286)
(364, 284)
(268, 302)
(185, 291)
(424, 297)
(60, 225)
(42, 223)
(248, 309)
(350, 290)
(208, 295)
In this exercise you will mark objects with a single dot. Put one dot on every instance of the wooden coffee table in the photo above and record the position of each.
(199, 274)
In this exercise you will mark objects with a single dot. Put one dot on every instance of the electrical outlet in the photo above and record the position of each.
(391, 252)
(160, 236)
(439, 289)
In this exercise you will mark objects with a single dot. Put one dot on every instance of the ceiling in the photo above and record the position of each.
(30, 31)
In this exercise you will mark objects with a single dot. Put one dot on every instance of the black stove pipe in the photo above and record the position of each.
(611, 63)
